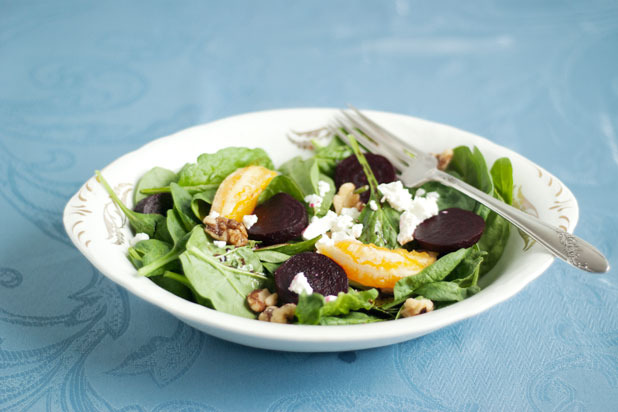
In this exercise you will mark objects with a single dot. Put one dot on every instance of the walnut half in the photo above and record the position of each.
(227, 230)
(259, 299)
(413, 307)
(284, 314)
(346, 198)
(444, 159)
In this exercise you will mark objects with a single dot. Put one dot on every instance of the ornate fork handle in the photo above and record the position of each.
(566, 246)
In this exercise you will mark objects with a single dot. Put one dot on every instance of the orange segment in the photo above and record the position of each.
(238, 193)
(375, 266)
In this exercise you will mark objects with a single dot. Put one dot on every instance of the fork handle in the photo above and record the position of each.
(566, 246)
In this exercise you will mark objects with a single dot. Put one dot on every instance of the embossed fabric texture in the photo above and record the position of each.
(82, 83)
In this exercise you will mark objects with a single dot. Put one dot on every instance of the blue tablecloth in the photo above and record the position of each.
(83, 82)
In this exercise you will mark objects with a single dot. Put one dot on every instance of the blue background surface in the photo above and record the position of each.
(82, 83)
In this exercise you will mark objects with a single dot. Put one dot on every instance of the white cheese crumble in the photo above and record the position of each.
(314, 200)
(249, 220)
(300, 284)
(214, 214)
(219, 243)
(420, 209)
(373, 205)
(340, 227)
(323, 188)
(330, 298)
(138, 238)
(396, 195)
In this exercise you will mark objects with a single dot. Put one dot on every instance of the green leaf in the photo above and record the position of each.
(155, 177)
(494, 240)
(212, 168)
(502, 176)
(435, 272)
(175, 226)
(449, 197)
(173, 286)
(182, 206)
(328, 156)
(442, 292)
(308, 308)
(151, 224)
(153, 268)
(220, 280)
(201, 202)
(281, 184)
(380, 227)
(312, 308)
(466, 274)
(352, 318)
(471, 167)
(271, 256)
(304, 172)
(353, 300)
(293, 248)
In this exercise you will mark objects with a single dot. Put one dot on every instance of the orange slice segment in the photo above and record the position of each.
(375, 266)
(238, 194)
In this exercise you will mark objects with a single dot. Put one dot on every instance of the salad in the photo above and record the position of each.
(329, 239)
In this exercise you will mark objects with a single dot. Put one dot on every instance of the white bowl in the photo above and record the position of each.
(100, 231)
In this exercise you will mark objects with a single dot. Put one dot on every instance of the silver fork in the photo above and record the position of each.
(417, 167)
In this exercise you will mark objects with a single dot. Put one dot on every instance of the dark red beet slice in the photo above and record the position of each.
(449, 230)
(158, 203)
(350, 170)
(323, 274)
(280, 218)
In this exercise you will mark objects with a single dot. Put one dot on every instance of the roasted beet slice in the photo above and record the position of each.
(449, 230)
(350, 170)
(158, 203)
(323, 275)
(280, 218)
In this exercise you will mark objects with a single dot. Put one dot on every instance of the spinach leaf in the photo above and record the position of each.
(224, 287)
(155, 177)
(191, 189)
(470, 166)
(173, 286)
(175, 225)
(442, 292)
(352, 318)
(312, 308)
(182, 206)
(380, 227)
(201, 201)
(328, 156)
(182, 279)
(449, 197)
(293, 248)
(153, 268)
(271, 256)
(281, 184)
(435, 272)
(153, 225)
(147, 251)
(212, 168)
(494, 240)
(502, 175)
(306, 173)
(466, 274)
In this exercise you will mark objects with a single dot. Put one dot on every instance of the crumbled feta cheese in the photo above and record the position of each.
(350, 211)
(373, 205)
(214, 214)
(396, 195)
(340, 227)
(330, 298)
(249, 220)
(138, 238)
(323, 188)
(421, 192)
(420, 209)
(219, 243)
(313, 200)
(300, 284)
